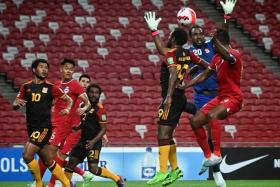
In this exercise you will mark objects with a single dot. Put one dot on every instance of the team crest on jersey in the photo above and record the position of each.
(66, 89)
(45, 90)
(28, 90)
(207, 50)
(170, 60)
(103, 117)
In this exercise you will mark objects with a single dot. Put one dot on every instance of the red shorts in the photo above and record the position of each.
(70, 141)
(232, 105)
(61, 129)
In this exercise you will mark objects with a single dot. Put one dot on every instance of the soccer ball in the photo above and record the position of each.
(186, 16)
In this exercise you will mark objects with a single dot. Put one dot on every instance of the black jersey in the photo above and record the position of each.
(39, 99)
(92, 121)
(179, 57)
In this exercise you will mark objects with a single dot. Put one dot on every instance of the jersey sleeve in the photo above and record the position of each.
(78, 89)
(170, 58)
(21, 92)
(194, 58)
(235, 55)
(213, 62)
(102, 116)
(57, 92)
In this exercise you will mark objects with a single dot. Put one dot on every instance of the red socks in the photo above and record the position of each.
(216, 136)
(202, 140)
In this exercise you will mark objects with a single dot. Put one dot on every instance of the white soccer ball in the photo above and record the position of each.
(186, 16)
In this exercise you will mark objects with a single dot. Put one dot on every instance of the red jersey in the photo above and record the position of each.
(228, 75)
(76, 118)
(73, 89)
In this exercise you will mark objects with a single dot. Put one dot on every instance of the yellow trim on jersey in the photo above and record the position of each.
(27, 82)
(171, 50)
(100, 105)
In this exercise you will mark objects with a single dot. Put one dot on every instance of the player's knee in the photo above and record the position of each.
(48, 162)
(194, 122)
(163, 142)
(27, 158)
(213, 116)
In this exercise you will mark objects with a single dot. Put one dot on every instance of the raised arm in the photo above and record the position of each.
(228, 7)
(223, 51)
(152, 22)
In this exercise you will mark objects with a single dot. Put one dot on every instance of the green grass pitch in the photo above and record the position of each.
(230, 183)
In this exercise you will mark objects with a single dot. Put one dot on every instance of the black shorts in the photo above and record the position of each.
(177, 107)
(79, 151)
(39, 135)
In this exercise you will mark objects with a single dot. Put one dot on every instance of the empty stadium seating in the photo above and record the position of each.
(107, 44)
(261, 19)
(12, 124)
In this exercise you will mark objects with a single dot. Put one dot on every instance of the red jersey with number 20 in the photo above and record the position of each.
(228, 75)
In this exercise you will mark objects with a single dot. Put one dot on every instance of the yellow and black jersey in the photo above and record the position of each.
(39, 98)
(92, 121)
(179, 58)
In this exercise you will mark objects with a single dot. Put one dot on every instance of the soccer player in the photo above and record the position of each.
(207, 90)
(173, 72)
(85, 81)
(37, 95)
(227, 63)
(93, 127)
(62, 136)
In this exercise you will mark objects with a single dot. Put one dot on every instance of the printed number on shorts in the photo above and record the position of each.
(93, 154)
(160, 112)
(53, 135)
(35, 134)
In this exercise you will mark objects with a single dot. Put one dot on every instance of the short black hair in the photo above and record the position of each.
(68, 60)
(223, 36)
(195, 27)
(36, 62)
(94, 86)
(180, 36)
(84, 76)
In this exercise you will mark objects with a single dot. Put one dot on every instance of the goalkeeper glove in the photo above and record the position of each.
(228, 6)
(152, 22)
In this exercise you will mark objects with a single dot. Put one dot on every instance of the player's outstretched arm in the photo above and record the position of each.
(223, 51)
(200, 78)
(228, 7)
(152, 22)
(86, 102)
